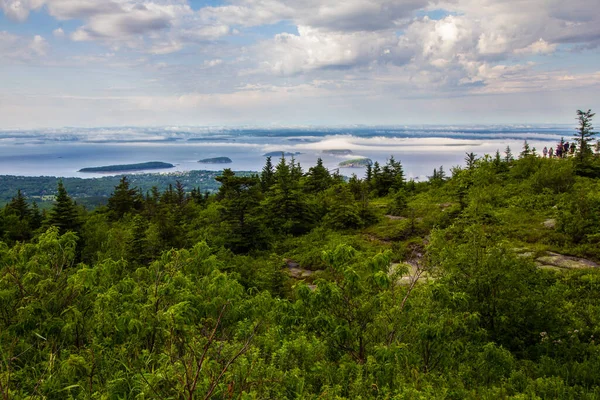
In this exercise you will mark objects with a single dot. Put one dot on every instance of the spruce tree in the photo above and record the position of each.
(585, 133)
(36, 217)
(19, 206)
(64, 212)
(267, 176)
(123, 200)
(318, 178)
(508, 156)
(526, 152)
(470, 160)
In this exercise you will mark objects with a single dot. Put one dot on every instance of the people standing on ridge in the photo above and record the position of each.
(551, 152)
(566, 150)
(545, 151)
(559, 151)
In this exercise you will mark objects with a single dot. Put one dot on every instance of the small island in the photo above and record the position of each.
(129, 167)
(356, 163)
(280, 154)
(216, 160)
(340, 152)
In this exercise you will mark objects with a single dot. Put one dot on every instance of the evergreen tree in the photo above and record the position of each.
(123, 200)
(36, 217)
(497, 160)
(267, 176)
(64, 213)
(526, 152)
(356, 186)
(138, 248)
(585, 133)
(286, 206)
(318, 178)
(17, 219)
(344, 213)
(295, 170)
(19, 206)
(369, 173)
(240, 211)
(398, 174)
(470, 159)
(508, 156)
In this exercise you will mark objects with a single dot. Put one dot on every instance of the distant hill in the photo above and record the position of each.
(129, 167)
(216, 160)
(280, 154)
(340, 152)
(356, 163)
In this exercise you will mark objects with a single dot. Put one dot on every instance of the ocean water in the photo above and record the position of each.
(64, 152)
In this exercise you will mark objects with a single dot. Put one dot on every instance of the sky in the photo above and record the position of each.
(87, 63)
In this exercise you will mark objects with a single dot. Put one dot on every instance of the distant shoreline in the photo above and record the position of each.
(128, 167)
(216, 160)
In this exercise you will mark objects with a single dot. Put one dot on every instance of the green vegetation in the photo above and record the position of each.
(93, 192)
(298, 284)
(216, 160)
(356, 163)
(129, 167)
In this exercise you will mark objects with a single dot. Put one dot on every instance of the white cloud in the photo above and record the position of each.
(58, 32)
(19, 9)
(14, 48)
(313, 49)
(213, 63)
(539, 47)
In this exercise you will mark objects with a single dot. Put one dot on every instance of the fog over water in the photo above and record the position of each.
(64, 152)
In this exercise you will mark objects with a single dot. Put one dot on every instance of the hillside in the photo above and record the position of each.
(298, 284)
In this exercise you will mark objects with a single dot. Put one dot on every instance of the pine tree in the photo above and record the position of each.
(398, 174)
(585, 133)
(470, 159)
(508, 156)
(240, 201)
(526, 152)
(295, 170)
(36, 217)
(123, 200)
(318, 178)
(19, 206)
(286, 206)
(369, 173)
(267, 176)
(64, 212)
(180, 193)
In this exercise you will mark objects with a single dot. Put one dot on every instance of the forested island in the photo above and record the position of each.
(216, 160)
(129, 167)
(293, 283)
(356, 163)
(340, 152)
(281, 154)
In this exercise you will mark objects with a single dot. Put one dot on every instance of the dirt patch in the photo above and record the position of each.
(565, 262)
(395, 217)
(299, 273)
